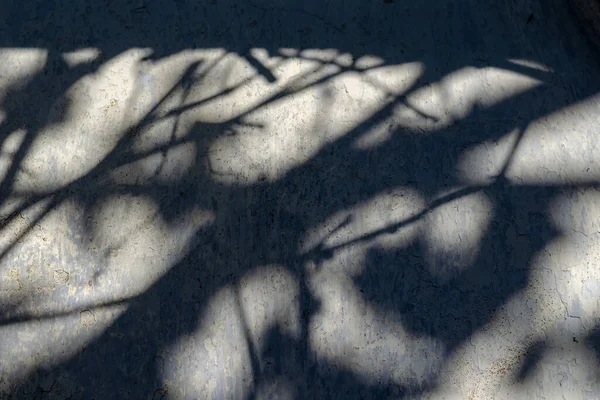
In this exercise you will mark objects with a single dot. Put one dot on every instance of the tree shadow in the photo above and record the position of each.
(452, 308)
(286, 371)
(263, 223)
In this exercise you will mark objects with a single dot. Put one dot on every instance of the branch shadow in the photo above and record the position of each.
(404, 285)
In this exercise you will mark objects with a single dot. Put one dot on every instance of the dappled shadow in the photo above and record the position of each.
(532, 358)
(272, 220)
(452, 309)
(593, 341)
(571, 358)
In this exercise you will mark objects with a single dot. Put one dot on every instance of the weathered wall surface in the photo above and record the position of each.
(287, 199)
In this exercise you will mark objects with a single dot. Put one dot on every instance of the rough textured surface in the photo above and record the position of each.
(291, 199)
(588, 13)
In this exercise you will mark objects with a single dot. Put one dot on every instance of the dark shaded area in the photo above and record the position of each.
(263, 223)
(593, 341)
(532, 358)
(452, 310)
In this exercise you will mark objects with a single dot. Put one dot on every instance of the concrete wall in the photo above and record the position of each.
(286, 199)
